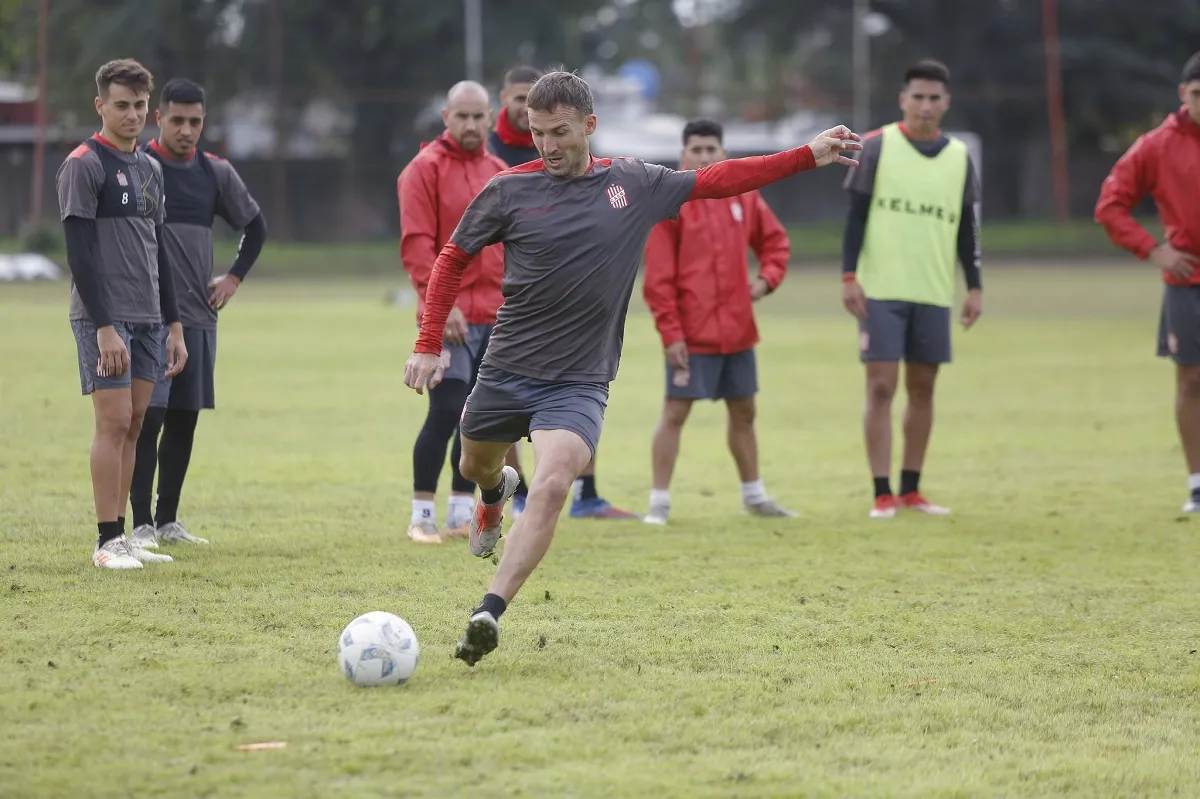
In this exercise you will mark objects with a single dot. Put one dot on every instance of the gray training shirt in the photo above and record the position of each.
(198, 189)
(571, 252)
(123, 193)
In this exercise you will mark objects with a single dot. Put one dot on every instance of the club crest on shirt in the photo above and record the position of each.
(121, 179)
(736, 209)
(616, 197)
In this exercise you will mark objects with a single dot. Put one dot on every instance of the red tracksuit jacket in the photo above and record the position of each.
(434, 190)
(1164, 164)
(697, 280)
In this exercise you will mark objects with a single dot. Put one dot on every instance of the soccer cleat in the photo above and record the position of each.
(769, 508)
(457, 530)
(598, 508)
(115, 554)
(658, 513)
(481, 637)
(144, 536)
(175, 532)
(885, 507)
(484, 532)
(914, 501)
(424, 532)
(1191, 506)
(145, 555)
(518, 504)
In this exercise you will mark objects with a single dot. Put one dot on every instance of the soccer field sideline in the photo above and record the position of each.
(1041, 641)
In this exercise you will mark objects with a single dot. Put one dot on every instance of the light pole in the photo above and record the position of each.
(861, 55)
(473, 32)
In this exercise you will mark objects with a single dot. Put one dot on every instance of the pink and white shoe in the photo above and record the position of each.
(885, 507)
(914, 501)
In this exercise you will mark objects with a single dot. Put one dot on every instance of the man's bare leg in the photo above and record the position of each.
(113, 411)
(919, 381)
(561, 455)
(664, 452)
(882, 377)
(1187, 420)
(513, 459)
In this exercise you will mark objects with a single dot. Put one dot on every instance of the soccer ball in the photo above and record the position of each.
(378, 648)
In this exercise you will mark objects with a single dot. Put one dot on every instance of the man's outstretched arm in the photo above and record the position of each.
(739, 175)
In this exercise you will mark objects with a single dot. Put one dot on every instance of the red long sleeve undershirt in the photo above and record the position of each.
(722, 179)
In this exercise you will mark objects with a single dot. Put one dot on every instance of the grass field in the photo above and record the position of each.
(1040, 642)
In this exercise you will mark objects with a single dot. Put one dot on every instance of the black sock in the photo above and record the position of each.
(587, 487)
(121, 521)
(493, 604)
(174, 455)
(883, 487)
(522, 486)
(141, 490)
(107, 532)
(908, 481)
(492, 496)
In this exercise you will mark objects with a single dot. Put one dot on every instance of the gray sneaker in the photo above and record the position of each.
(175, 532)
(145, 555)
(481, 637)
(115, 554)
(484, 533)
(144, 536)
(658, 513)
(768, 507)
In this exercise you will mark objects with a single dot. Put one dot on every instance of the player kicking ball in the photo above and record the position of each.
(573, 228)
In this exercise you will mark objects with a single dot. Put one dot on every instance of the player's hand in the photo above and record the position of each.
(972, 308)
(456, 327)
(759, 289)
(854, 299)
(177, 353)
(114, 355)
(677, 355)
(830, 146)
(1180, 265)
(222, 289)
(423, 370)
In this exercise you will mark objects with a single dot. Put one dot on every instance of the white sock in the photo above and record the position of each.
(754, 491)
(658, 497)
(460, 506)
(1194, 482)
(423, 510)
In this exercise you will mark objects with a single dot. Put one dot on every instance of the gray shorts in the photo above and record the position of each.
(145, 354)
(1179, 325)
(465, 358)
(505, 407)
(194, 388)
(897, 330)
(717, 377)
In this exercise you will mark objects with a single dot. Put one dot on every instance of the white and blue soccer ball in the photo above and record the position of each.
(378, 648)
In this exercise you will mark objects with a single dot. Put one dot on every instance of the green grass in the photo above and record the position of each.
(821, 242)
(1040, 642)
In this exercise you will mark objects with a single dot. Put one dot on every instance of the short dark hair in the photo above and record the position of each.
(561, 89)
(1191, 70)
(521, 74)
(927, 69)
(703, 127)
(182, 91)
(124, 72)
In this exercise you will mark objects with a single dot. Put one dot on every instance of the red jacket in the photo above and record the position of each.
(697, 280)
(1164, 164)
(434, 190)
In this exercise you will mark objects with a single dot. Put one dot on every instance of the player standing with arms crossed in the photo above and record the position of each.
(512, 141)
(912, 215)
(1165, 164)
(110, 199)
(434, 190)
(695, 285)
(199, 187)
(574, 228)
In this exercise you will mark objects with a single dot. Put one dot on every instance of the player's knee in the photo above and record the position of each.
(742, 413)
(880, 390)
(920, 394)
(1189, 382)
(113, 422)
(675, 413)
(553, 484)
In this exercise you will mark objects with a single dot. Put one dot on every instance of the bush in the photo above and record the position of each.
(43, 239)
